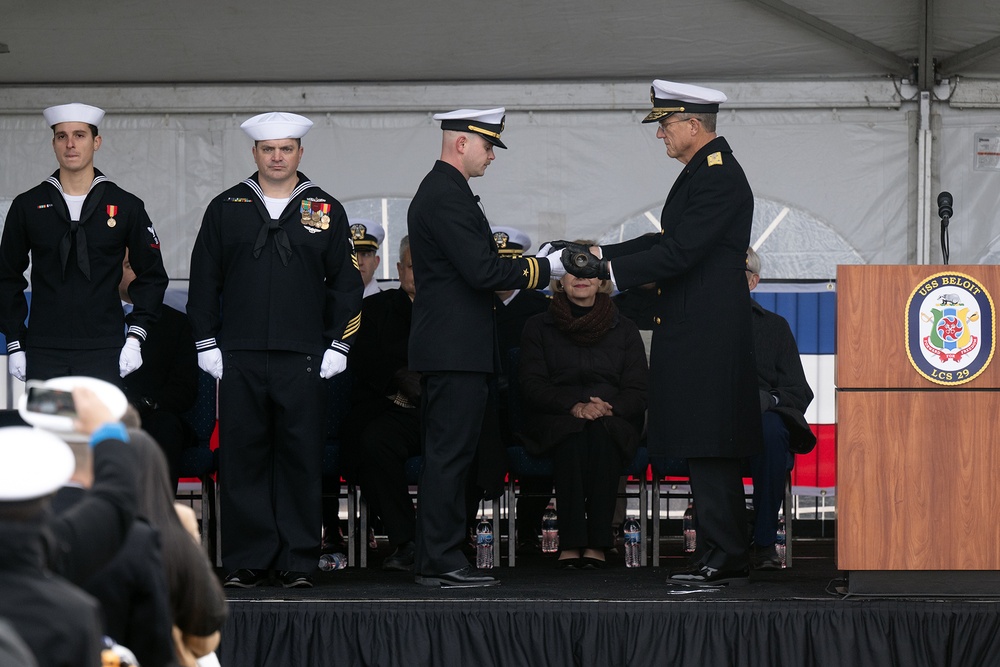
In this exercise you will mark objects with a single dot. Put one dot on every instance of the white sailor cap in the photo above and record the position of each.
(52, 418)
(33, 463)
(486, 122)
(669, 98)
(276, 125)
(511, 241)
(367, 234)
(73, 113)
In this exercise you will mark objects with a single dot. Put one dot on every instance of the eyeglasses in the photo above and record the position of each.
(663, 126)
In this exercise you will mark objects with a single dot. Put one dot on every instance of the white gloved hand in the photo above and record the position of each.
(16, 364)
(545, 250)
(210, 361)
(131, 357)
(556, 268)
(334, 361)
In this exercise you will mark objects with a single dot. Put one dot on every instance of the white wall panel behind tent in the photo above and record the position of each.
(573, 168)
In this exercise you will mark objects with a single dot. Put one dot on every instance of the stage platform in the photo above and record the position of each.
(617, 616)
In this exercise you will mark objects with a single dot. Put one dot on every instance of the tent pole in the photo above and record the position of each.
(924, 145)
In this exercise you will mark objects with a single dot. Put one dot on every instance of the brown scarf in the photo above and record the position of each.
(588, 329)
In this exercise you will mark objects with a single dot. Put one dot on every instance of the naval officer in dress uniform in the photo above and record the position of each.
(76, 226)
(457, 268)
(368, 236)
(274, 303)
(703, 399)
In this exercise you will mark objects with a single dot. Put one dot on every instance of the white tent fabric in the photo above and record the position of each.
(840, 156)
(579, 174)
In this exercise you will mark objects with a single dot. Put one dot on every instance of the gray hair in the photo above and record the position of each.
(707, 120)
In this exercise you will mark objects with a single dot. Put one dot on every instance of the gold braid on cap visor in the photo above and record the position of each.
(495, 135)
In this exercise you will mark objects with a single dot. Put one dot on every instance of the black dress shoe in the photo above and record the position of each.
(764, 558)
(466, 577)
(400, 560)
(708, 577)
(569, 563)
(590, 563)
(292, 579)
(244, 578)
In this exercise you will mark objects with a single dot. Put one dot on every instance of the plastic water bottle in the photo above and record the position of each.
(779, 541)
(484, 545)
(690, 536)
(331, 562)
(550, 531)
(633, 540)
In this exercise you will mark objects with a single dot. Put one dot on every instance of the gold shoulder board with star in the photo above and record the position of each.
(714, 159)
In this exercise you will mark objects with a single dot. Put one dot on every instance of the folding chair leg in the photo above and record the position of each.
(363, 532)
(495, 508)
(218, 525)
(787, 511)
(352, 508)
(642, 520)
(656, 521)
(511, 525)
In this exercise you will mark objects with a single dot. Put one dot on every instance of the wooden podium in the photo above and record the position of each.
(918, 430)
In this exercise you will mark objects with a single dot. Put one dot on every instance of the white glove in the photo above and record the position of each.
(131, 357)
(16, 365)
(334, 362)
(545, 250)
(556, 268)
(210, 361)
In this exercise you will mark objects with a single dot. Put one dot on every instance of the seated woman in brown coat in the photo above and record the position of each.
(583, 377)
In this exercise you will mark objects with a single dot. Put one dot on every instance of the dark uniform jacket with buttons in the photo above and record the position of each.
(75, 274)
(703, 380)
(168, 377)
(308, 304)
(457, 267)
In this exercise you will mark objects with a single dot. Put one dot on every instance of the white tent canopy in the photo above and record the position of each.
(826, 111)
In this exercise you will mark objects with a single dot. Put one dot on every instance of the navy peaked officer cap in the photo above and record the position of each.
(511, 241)
(487, 123)
(366, 234)
(669, 98)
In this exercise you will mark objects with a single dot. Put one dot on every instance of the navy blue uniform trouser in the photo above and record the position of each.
(452, 404)
(272, 425)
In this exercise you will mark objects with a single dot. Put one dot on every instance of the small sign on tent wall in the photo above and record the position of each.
(987, 152)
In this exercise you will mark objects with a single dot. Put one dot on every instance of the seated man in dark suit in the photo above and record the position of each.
(383, 429)
(784, 397)
(166, 385)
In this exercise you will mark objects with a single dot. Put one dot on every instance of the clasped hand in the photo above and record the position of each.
(594, 409)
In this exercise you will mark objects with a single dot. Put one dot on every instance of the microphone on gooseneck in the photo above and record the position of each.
(944, 212)
(944, 205)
